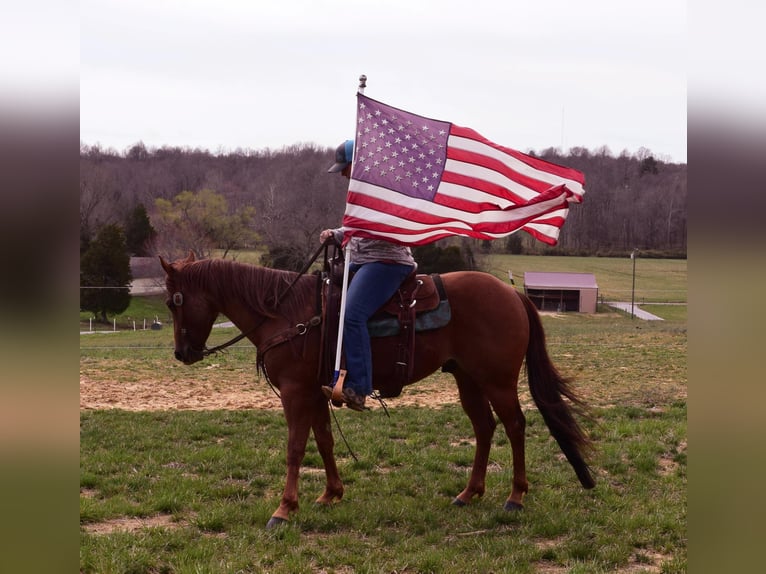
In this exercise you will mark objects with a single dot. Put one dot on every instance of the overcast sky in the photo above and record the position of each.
(223, 74)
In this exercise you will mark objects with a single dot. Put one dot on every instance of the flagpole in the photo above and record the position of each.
(340, 375)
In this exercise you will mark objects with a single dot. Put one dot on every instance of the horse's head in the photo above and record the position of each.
(193, 314)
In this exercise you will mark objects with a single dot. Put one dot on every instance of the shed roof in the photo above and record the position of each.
(555, 280)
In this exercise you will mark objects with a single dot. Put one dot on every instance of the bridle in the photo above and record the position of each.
(177, 299)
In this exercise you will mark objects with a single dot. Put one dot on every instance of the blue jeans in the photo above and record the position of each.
(373, 285)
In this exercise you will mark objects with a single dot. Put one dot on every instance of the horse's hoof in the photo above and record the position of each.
(458, 502)
(513, 506)
(275, 522)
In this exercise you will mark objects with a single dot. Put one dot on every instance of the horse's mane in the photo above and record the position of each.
(262, 288)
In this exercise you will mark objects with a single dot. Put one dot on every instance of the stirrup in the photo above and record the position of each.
(337, 390)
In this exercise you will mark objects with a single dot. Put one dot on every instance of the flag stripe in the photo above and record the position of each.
(517, 162)
(502, 178)
(425, 212)
(387, 214)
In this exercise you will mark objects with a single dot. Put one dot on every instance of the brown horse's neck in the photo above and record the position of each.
(240, 287)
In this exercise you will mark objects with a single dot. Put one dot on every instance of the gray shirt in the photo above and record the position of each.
(364, 250)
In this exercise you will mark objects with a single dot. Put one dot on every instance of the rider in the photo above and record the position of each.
(380, 266)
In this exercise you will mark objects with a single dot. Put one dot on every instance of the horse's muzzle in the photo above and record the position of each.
(188, 356)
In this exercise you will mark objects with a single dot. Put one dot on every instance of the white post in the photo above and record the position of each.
(90, 324)
(344, 289)
(144, 323)
(134, 325)
(114, 321)
(338, 375)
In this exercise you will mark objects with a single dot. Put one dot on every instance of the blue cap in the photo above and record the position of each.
(343, 154)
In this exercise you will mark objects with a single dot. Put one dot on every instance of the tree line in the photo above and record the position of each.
(166, 201)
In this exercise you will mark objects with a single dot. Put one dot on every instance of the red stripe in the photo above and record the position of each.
(393, 209)
(556, 221)
(436, 221)
(366, 228)
(499, 167)
(537, 163)
(482, 185)
(540, 237)
(465, 205)
(429, 239)
(429, 218)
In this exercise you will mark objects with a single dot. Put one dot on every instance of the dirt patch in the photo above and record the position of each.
(606, 373)
(234, 394)
(125, 524)
(189, 394)
(667, 462)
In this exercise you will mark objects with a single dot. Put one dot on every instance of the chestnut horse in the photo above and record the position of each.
(492, 330)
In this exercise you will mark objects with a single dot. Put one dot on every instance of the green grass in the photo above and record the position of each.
(142, 309)
(147, 306)
(218, 476)
(677, 313)
(245, 255)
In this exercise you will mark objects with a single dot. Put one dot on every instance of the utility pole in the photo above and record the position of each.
(633, 290)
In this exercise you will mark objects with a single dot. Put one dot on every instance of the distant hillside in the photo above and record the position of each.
(631, 201)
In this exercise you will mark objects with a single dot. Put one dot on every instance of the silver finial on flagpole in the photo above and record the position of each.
(362, 83)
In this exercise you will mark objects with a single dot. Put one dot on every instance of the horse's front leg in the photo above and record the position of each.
(298, 413)
(325, 444)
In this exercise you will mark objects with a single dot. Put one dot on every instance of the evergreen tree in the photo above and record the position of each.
(105, 274)
(434, 259)
(513, 244)
(648, 165)
(289, 257)
(139, 232)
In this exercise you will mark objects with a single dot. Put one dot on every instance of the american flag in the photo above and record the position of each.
(415, 180)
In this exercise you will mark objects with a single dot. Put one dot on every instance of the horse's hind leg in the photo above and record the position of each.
(476, 406)
(505, 402)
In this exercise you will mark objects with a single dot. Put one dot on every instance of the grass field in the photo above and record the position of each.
(657, 280)
(190, 491)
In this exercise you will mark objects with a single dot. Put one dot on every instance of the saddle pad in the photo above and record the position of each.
(426, 321)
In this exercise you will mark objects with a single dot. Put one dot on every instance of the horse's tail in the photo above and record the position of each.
(548, 389)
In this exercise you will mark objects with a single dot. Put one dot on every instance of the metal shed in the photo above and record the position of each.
(551, 291)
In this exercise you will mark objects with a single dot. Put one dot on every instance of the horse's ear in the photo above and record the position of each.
(191, 257)
(166, 266)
